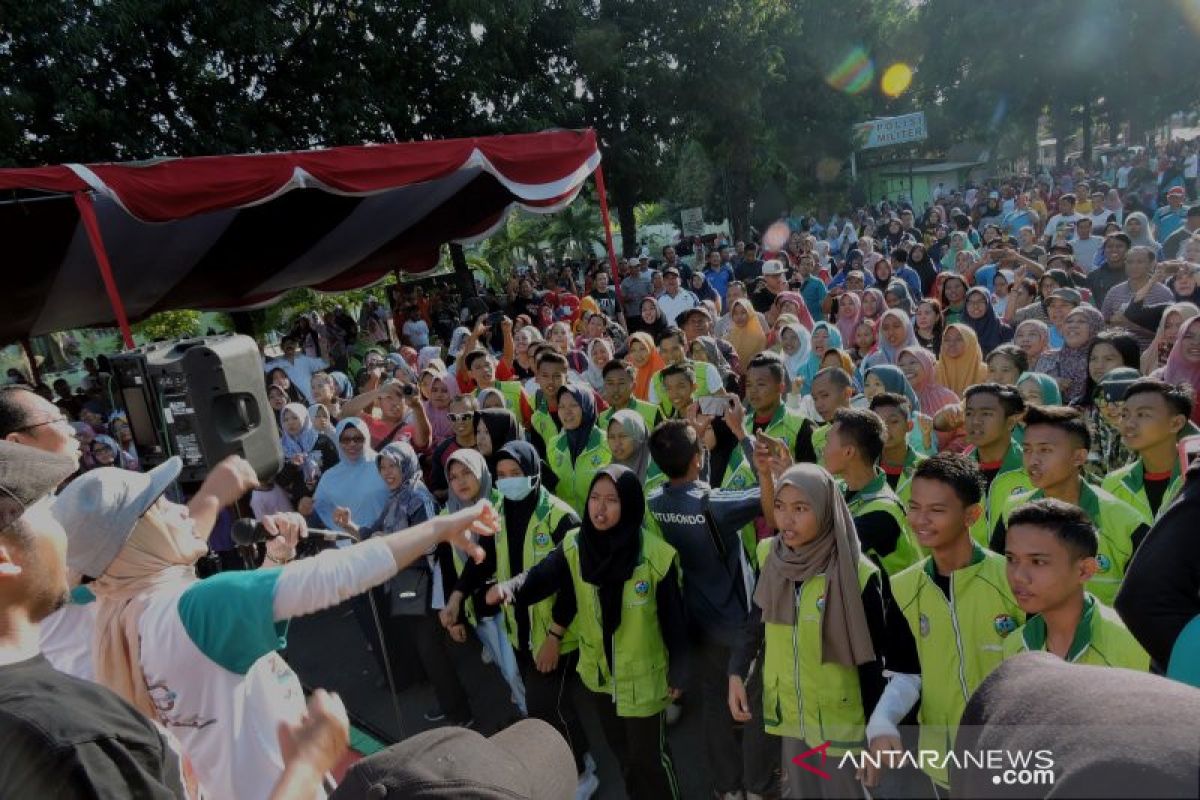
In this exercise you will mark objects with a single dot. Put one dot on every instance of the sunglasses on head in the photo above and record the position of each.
(461, 417)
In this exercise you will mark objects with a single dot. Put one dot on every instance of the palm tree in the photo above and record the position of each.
(574, 230)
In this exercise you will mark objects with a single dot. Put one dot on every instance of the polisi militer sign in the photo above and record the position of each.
(890, 130)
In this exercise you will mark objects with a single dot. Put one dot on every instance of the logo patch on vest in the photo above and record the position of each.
(821, 604)
(1004, 624)
(542, 540)
(596, 460)
(1103, 563)
(923, 625)
(641, 588)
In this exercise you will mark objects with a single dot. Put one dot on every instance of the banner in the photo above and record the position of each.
(890, 130)
(693, 221)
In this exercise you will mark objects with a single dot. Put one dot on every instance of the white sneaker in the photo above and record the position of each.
(587, 786)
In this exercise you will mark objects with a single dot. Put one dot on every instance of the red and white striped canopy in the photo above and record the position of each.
(226, 232)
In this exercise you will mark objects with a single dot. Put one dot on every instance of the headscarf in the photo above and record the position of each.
(658, 325)
(577, 439)
(989, 330)
(1159, 351)
(646, 372)
(849, 313)
(353, 484)
(427, 355)
(1179, 369)
(1145, 239)
(635, 428)
(924, 266)
(457, 340)
(594, 374)
(899, 289)
(1041, 327)
(440, 426)
(474, 461)
(813, 365)
(798, 361)
(1051, 394)
(501, 426)
(486, 394)
(894, 380)
(517, 513)
(956, 374)
(802, 312)
(884, 352)
(587, 307)
(303, 443)
(750, 339)
(713, 352)
(834, 553)
(411, 496)
(880, 303)
(607, 558)
(932, 395)
(154, 559)
(1071, 363)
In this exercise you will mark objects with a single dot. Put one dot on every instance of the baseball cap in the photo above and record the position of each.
(529, 760)
(670, 271)
(684, 316)
(28, 474)
(1071, 296)
(100, 509)
(773, 267)
(1176, 191)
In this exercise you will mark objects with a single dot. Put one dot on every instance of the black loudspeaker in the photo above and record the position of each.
(200, 399)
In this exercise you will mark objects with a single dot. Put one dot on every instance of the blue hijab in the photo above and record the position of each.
(813, 366)
(896, 382)
(356, 485)
(408, 500)
(303, 443)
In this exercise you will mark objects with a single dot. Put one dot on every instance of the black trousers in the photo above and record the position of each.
(740, 756)
(438, 655)
(549, 698)
(640, 745)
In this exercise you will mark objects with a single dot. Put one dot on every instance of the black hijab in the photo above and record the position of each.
(577, 439)
(502, 427)
(607, 558)
(989, 329)
(517, 513)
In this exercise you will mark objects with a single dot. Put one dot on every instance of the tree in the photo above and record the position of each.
(166, 325)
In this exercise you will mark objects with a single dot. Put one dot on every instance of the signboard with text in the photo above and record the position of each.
(693, 221)
(890, 130)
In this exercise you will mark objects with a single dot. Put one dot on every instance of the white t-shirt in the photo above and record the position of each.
(299, 372)
(1190, 165)
(1056, 221)
(66, 635)
(672, 307)
(1085, 251)
(1123, 176)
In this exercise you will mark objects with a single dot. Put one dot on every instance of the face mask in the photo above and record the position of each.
(515, 489)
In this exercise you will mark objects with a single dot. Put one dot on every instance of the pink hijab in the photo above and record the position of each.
(848, 316)
(932, 395)
(1179, 369)
(803, 314)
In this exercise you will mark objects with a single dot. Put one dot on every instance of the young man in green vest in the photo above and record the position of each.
(1155, 415)
(550, 372)
(1056, 447)
(766, 380)
(899, 459)
(832, 389)
(706, 380)
(955, 610)
(679, 388)
(992, 412)
(852, 454)
(482, 368)
(618, 393)
(1051, 552)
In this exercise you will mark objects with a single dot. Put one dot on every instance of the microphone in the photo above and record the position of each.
(247, 531)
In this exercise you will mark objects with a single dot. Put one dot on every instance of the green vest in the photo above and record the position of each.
(541, 421)
(803, 697)
(1115, 522)
(819, 439)
(786, 425)
(1129, 484)
(512, 391)
(460, 558)
(1101, 639)
(960, 639)
(648, 411)
(575, 476)
(547, 516)
(637, 681)
(654, 478)
(702, 388)
(904, 486)
(1010, 480)
(878, 496)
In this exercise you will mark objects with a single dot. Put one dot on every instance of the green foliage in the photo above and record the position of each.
(169, 325)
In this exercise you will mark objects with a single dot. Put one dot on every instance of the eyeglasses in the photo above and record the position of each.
(352, 440)
(461, 417)
(53, 421)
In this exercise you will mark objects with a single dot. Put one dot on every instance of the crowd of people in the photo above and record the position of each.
(815, 488)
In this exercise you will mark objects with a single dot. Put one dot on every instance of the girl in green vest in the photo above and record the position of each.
(819, 606)
(577, 453)
(630, 624)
